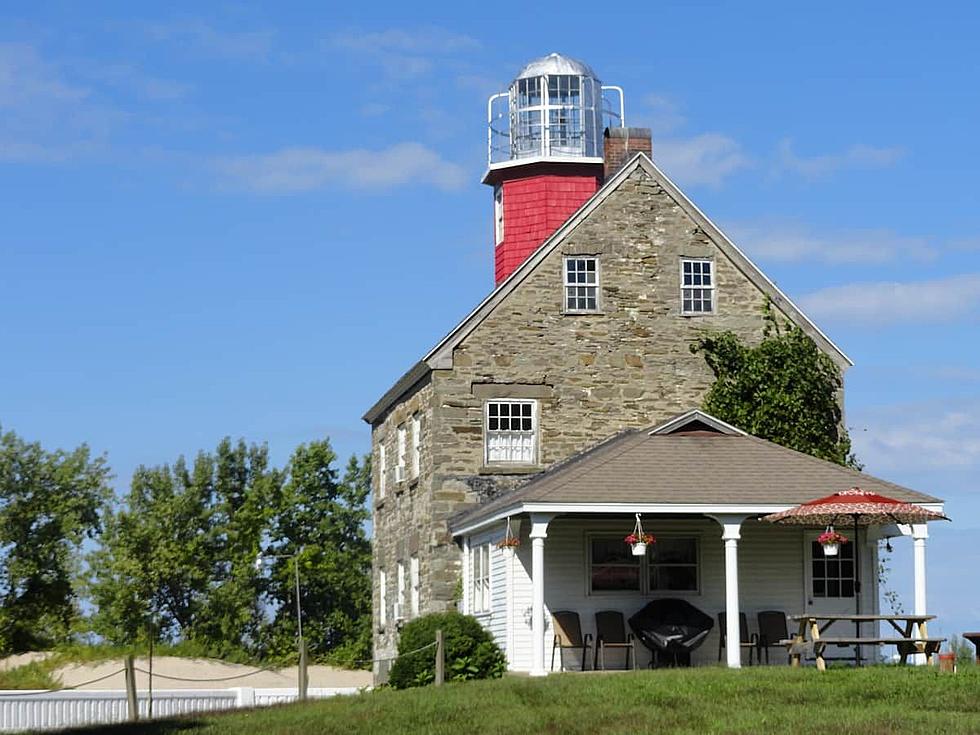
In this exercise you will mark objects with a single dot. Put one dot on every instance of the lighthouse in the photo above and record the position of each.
(549, 141)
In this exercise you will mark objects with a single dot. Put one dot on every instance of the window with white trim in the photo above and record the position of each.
(498, 214)
(581, 283)
(414, 584)
(832, 576)
(416, 443)
(382, 598)
(480, 576)
(400, 599)
(697, 286)
(672, 564)
(402, 445)
(511, 432)
(382, 470)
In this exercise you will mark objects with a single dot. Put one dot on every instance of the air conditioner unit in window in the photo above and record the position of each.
(400, 474)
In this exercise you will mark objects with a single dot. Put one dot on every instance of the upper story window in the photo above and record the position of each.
(382, 598)
(400, 610)
(581, 284)
(414, 583)
(416, 443)
(480, 559)
(697, 286)
(382, 470)
(498, 214)
(670, 565)
(402, 446)
(511, 432)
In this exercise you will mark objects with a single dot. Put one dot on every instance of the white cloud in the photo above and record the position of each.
(883, 303)
(917, 437)
(793, 242)
(660, 113)
(858, 156)
(706, 159)
(292, 170)
(197, 35)
(405, 53)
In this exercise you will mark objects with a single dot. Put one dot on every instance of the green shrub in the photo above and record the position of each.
(470, 651)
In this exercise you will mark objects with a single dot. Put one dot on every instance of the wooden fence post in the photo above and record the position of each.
(132, 701)
(304, 680)
(440, 659)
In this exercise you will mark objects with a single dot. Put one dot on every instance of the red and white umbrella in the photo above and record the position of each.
(858, 508)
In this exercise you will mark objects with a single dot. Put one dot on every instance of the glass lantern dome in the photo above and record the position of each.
(556, 110)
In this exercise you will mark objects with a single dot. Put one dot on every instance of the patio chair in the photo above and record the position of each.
(611, 633)
(772, 630)
(568, 634)
(750, 642)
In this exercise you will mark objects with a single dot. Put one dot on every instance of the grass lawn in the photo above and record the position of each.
(707, 700)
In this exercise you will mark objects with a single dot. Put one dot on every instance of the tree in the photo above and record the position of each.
(50, 502)
(321, 520)
(784, 389)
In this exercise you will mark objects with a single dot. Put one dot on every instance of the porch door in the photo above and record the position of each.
(830, 588)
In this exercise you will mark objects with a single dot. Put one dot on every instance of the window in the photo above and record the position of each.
(414, 583)
(670, 565)
(382, 470)
(581, 284)
(400, 599)
(382, 599)
(498, 214)
(480, 558)
(416, 443)
(613, 566)
(402, 449)
(673, 564)
(832, 576)
(511, 432)
(697, 287)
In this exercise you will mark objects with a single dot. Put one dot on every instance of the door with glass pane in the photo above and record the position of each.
(830, 587)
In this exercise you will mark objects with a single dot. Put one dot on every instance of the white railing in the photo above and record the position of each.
(24, 710)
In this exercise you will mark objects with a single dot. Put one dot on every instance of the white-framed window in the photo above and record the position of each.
(498, 214)
(480, 576)
(416, 443)
(832, 576)
(697, 286)
(402, 446)
(400, 598)
(382, 598)
(382, 470)
(581, 283)
(414, 584)
(511, 431)
(672, 564)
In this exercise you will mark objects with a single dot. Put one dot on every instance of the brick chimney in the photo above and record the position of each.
(621, 144)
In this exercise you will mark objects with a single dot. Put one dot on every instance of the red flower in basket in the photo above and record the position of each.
(640, 538)
(831, 537)
(509, 542)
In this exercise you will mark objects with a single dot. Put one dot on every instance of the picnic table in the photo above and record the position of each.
(911, 629)
(974, 638)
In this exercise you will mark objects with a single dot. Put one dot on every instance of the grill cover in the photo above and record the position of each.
(672, 627)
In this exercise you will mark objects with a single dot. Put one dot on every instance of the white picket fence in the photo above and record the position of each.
(23, 710)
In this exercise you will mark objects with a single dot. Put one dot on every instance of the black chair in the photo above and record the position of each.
(750, 642)
(671, 629)
(772, 630)
(568, 634)
(611, 633)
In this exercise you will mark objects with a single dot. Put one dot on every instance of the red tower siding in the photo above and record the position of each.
(535, 205)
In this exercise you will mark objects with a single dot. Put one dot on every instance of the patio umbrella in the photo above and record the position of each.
(862, 508)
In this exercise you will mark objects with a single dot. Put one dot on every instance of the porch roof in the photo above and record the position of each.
(693, 461)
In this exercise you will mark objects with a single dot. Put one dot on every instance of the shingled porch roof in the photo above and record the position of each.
(692, 461)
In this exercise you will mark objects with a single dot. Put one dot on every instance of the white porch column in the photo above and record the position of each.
(539, 532)
(920, 533)
(731, 525)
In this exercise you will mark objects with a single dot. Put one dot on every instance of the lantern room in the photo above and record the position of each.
(545, 152)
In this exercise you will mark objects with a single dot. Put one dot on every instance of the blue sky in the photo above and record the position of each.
(248, 219)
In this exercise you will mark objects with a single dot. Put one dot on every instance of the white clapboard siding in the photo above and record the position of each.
(771, 577)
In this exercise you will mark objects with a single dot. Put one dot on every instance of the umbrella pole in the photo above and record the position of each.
(857, 590)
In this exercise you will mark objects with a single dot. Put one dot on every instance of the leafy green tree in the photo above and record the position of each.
(50, 502)
(784, 389)
(319, 525)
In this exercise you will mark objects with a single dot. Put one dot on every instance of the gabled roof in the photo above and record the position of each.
(668, 466)
(440, 357)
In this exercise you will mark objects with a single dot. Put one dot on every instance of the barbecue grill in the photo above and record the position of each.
(671, 629)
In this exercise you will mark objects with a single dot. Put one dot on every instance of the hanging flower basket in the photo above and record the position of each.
(831, 541)
(509, 542)
(638, 539)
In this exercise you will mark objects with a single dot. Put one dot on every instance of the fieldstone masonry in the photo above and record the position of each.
(630, 365)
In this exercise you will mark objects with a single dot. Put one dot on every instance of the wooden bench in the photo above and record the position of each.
(906, 646)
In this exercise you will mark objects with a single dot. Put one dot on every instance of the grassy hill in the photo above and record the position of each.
(707, 700)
